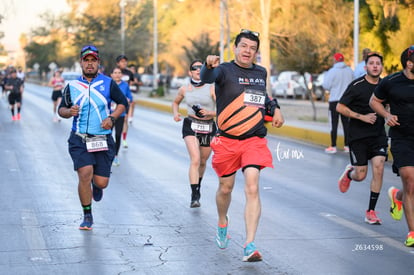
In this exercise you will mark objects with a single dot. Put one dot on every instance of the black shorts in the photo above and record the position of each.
(101, 161)
(204, 139)
(56, 94)
(14, 98)
(362, 150)
(402, 151)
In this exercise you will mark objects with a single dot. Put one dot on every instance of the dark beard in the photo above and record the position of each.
(90, 75)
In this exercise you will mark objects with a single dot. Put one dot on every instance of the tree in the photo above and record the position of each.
(386, 27)
(200, 48)
(103, 28)
(41, 53)
(308, 49)
(52, 38)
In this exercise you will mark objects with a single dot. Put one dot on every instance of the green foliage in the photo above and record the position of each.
(138, 46)
(200, 48)
(390, 32)
(391, 23)
(159, 92)
(366, 22)
(42, 54)
(306, 49)
(310, 47)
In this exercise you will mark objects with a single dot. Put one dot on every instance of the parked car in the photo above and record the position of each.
(178, 81)
(290, 84)
(147, 80)
(68, 76)
(273, 81)
(318, 91)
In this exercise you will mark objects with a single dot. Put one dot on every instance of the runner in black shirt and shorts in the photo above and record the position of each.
(15, 86)
(366, 135)
(398, 91)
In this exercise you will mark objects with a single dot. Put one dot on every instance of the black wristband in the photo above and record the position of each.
(112, 119)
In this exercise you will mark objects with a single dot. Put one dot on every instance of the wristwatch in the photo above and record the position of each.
(112, 119)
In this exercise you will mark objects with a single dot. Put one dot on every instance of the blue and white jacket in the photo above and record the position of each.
(94, 99)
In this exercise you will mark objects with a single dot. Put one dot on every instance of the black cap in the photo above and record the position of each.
(120, 57)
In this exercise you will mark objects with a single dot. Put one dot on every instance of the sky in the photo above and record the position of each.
(23, 15)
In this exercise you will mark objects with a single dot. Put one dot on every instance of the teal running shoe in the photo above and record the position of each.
(222, 238)
(115, 162)
(251, 254)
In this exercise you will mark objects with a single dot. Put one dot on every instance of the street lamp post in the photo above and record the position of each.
(155, 65)
(122, 5)
(224, 16)
(356, 32)
(221, 31)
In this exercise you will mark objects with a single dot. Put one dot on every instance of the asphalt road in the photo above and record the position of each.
(144, 224)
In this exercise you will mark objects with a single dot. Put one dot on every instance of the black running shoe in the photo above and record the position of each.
(195, 204)
(97, 193)
(195, 200)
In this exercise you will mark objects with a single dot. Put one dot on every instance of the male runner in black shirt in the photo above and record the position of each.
(15, 86)
(366, 135)
(398, 91)
(241, 99)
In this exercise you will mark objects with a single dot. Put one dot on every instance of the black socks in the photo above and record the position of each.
(373, 198)
(87, 209)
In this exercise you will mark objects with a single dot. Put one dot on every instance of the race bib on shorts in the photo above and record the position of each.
(202, 127)
(96, 144)
(254, 98)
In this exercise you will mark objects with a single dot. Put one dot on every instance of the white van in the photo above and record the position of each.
(290, 84)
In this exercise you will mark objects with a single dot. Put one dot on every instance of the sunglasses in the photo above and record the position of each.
(410, 51)
(196, 67)
(89, 47)
(250, 32)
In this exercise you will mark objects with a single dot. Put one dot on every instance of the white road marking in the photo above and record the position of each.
(368, 232)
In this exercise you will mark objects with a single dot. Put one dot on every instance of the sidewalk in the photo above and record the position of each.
(297, 114)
